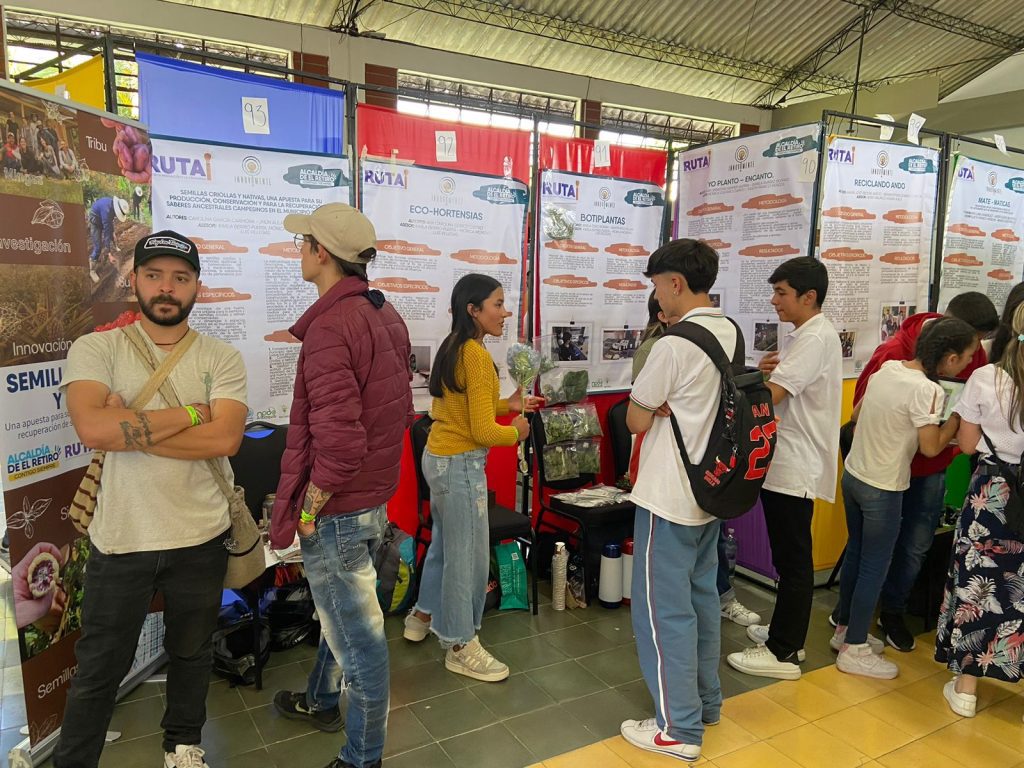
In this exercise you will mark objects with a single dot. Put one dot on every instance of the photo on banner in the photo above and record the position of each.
(752, 200)
(446, 200)
(595, 233)
(876, 230)
(58, 158)
(231, 201)
(981, 247)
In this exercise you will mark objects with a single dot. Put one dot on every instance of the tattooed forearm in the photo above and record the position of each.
(137, 437)
(315, 499)
(147, 432)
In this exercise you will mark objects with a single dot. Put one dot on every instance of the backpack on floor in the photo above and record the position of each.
(234, 644)
(395, 561)
(726, 482)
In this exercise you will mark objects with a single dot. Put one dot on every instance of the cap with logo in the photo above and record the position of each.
(166, 243)
(345, 232)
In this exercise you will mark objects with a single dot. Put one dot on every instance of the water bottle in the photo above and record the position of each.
(609, 587)
(730, 550)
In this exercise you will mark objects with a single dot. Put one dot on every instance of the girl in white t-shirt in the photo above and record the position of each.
(980, 631)
(898, 416)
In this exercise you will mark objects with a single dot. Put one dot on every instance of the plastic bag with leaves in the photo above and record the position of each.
(563, 385)
(584, 419)
(588, 456)
(558, 425)
(560, 462)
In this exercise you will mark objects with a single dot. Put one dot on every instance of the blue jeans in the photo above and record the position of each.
(677, 622)
(338, 559)
(726, 593)
(873, 523)
(923, 503)
(454, 580)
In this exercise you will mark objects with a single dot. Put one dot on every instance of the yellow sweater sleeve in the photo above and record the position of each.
(482, 396)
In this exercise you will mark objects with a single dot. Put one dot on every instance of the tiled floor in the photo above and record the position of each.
(575, 678)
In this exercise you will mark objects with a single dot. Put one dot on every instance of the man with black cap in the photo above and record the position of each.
(161, 518)
(352, 405)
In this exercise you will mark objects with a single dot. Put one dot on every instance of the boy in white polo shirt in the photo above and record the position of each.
(675, 597)
(806, 382)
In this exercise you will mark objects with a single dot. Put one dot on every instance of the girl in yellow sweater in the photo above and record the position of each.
(464, 384)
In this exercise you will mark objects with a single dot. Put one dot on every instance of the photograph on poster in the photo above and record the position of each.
(716, 299)
(420, 358)
(38, 139)
(117, 216)
(570, 343)
(49, 582)
(619, 343)
(847, 340)
(892, 318)
(766, 337)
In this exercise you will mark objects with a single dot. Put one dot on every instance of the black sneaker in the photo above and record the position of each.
(339, 763)
(292, 705)
(896, 633)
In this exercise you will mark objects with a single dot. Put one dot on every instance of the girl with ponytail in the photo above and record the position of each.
(898, 416)
(981, 624)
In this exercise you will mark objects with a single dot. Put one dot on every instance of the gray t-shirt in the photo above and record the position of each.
(146, 502)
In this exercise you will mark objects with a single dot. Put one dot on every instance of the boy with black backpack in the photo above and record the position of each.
(675, 604)
(806, 385)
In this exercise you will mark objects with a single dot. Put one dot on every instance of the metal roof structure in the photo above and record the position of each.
(758, 52)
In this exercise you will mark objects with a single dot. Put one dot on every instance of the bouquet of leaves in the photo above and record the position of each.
(524, 364)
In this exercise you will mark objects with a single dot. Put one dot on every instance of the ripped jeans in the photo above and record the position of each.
(454, 579)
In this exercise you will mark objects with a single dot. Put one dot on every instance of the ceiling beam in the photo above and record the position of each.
(956, 25)
(580, 33)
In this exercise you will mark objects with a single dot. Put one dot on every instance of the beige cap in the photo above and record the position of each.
(345, 232)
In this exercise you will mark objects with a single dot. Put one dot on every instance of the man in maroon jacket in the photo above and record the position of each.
(352, 405)
(924, 500)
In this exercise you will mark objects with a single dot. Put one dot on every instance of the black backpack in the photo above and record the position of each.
(728, 479)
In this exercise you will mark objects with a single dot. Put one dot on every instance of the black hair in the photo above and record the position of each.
(347, 268)
(471, 289)
(976, 309)
(655, 327)
(695, 260)
(1005, 330)
(804, 273)
(945, 336)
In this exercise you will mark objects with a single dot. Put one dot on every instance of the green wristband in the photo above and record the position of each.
(194, 415)
(306, 517)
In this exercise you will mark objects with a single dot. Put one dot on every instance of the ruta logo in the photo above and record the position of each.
(566, 189)
(842, 155)
(378, 177)
(696, 163)
(187, 167)
(966, 173)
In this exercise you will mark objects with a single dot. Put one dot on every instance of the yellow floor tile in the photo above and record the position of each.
(640, 758)
(726, 737)
(760, 715)
(805, 699)
(761, 755)
(588, 757)
(962, 741)
(918, 755)
(1001, 723)
(928, 692)
(807, 745)
(852, 688)
(908, 715)
(864, 732)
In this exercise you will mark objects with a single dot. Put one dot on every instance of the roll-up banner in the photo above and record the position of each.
(981, 248)
(446, 200)
(751, 199)
(876, 231)
(595, 234)
(232, 202)
(74, 191)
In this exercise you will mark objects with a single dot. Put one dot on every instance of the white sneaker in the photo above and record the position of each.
(416, 629)
(761, 662)
(759, 634)
(738, 613)
(96, 279)
(964, 704)
(839, 637)
(185, 756)
(645, 734)
(861, 660)
(473, 661)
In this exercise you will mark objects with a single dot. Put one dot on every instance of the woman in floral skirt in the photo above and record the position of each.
(981, 624)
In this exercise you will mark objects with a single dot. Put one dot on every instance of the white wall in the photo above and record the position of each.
(348, 56)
